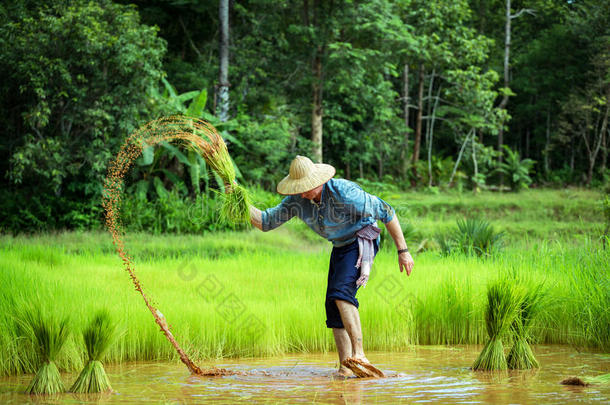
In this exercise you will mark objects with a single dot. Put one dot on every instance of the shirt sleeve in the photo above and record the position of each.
(273, 217)
(358, 202)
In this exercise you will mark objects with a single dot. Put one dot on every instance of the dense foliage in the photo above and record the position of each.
(76, 79)
(405, 92)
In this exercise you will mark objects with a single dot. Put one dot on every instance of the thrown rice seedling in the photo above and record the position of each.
(520, 356)
(98, 337)
(503, 300)
(192, 133)
(236, 201)
(47, 336)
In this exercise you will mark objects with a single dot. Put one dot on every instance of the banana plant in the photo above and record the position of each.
(154, 160)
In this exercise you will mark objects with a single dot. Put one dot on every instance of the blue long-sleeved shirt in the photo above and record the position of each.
(344, 209)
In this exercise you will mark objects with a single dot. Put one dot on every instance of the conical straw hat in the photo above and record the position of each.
(304, 176)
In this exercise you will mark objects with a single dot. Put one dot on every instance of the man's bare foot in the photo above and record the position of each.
(343, 373)
(362, 368)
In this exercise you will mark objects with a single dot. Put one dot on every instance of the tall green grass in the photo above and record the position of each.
(259, 294)
(252, 294)
(472, 236)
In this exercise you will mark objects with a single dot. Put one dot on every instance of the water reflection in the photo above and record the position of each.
(423, 374)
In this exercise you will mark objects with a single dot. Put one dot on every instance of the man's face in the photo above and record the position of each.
(313, 194)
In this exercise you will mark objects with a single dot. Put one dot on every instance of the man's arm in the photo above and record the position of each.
(405, 261)
(256, 217)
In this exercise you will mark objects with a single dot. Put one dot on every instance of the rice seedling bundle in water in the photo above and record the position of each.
(194, 134)
(98, 337)
(47, 335)
(503, 299)
(520, 355)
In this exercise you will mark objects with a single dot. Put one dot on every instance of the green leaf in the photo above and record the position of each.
(176, 153)
(232, 139)
(178, 183)
(142, 189)
(221, 184)
(196, 107)
(189, 95)
(194, 171)
(169, 88)
(147, 156)
(161, 191)
(238, 174)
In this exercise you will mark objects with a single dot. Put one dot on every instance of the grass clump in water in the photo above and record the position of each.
(520, 355)
(98, 337)
(503, 300)
(47, 336)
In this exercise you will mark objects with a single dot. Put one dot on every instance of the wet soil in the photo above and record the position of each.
(421, 374)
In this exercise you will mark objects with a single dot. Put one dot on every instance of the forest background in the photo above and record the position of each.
(432, 95)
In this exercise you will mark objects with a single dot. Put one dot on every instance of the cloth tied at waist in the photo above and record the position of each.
(366, 249)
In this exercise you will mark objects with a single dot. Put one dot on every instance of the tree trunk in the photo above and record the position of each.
(223, 87)
(547, 145)
(316, 83)
(527, 143)
(316, 114)
(404, 159)
(604, 133)
(348, 171)
(428, 115)
(361, 168)
(504, 101)
(604, 152)
(418, 122)
(457, 162)
(475, 189)
(431, 137)
(572, 155)
(596, 143)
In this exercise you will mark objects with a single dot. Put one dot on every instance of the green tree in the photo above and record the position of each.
(77, 79)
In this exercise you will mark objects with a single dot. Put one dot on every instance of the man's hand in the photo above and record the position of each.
(405, 262)
(229, 187)
(365, 271)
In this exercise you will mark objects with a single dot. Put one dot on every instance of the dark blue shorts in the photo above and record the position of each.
(342, 276)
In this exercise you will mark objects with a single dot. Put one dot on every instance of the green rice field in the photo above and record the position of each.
(245, 294)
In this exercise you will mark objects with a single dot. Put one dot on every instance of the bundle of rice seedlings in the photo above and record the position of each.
(235, 201)
(520, 355)
(98, 337)
(503, 300)
(47, 336)
(585, 381)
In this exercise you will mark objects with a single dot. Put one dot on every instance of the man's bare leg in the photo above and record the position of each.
(344, 348)
(351, 321)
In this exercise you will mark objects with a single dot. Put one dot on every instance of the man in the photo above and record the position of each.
(340, 211)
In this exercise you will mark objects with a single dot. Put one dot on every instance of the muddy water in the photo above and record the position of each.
(423, 374)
